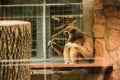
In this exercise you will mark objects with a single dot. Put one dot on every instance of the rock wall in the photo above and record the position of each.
(107, 33)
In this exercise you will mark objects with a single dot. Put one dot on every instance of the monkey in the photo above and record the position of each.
(78, 45)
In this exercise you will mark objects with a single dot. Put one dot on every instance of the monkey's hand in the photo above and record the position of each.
(69, 45)
(49, 44)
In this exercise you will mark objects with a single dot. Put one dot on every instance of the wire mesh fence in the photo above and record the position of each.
(55, 13)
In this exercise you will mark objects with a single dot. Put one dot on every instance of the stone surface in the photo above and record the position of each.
(115, 58)
(113, 23)
(114, 75)
(99, 17)
(114, 39)
(111, 11)
(99, 47)
(101, 53)
(111, 2)
(99, 50)
(98, 30)
(98, 4)
(107, 34)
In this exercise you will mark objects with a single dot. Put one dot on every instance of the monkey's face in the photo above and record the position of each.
(70, 32)
(66, 33)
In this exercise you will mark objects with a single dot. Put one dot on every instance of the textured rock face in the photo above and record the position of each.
(113, 23)
(114, 39)
(98, 30)
(111, 2)
(107, 33)
(106, 27)
(111, 11)
(99, 17)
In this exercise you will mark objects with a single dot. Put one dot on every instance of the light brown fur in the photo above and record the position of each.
(78, 45)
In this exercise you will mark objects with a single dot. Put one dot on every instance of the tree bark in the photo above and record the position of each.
(15, 50)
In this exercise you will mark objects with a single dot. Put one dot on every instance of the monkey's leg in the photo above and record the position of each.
(84, 51)
(57, 49)
(73, 55)
(66, 55)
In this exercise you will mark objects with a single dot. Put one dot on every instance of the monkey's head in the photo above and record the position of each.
(72, 32)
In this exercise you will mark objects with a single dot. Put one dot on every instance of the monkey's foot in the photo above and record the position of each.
(67, 62)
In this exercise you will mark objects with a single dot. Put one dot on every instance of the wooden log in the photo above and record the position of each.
(15, 50)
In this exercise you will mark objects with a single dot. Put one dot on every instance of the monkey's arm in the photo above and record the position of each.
(86, 49)
(57, 49)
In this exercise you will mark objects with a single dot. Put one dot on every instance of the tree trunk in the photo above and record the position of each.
(15, 50)
(0, 11)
